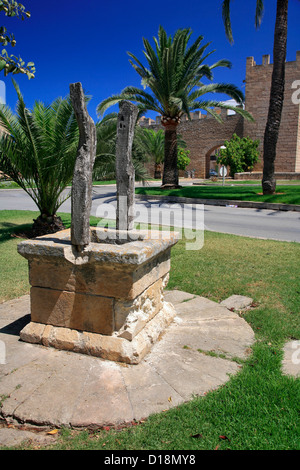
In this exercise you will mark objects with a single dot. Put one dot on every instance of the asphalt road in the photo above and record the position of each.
(270, 224)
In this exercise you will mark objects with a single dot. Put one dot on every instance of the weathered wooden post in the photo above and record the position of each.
(125, 174)
(81, 195)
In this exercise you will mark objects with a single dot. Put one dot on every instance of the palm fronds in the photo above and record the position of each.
(227, 20)
(259, 10)
(174, 74)
(105, 162)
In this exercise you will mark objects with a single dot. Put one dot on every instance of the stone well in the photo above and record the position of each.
(106, 300)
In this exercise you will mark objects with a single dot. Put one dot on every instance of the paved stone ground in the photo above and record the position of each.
(47, 388)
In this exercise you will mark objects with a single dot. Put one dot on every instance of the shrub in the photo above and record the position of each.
(182, 158)
(240, 154)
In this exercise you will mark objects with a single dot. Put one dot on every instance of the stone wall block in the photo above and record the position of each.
(73, 310)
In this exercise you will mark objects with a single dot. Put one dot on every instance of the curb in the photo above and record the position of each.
(215, 202)
(222, 202)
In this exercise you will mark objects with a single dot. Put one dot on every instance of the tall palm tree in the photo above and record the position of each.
(174, 76)
(38, 149)
(277, 85)
(152, 144)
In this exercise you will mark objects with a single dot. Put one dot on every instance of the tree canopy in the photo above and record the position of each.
(174, 74)
(38, 150)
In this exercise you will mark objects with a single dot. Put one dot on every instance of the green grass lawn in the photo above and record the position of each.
(230, 182)
(285, 194)
(102, 183)
(9, 185)
(258, 408)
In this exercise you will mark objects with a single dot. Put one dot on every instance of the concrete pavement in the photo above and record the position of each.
(44, 388)
(48, 388)
(273, 224)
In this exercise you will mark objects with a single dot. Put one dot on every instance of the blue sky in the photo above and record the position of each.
(87, 41)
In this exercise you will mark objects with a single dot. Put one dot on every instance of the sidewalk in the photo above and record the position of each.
(48, 388)
(42, 389)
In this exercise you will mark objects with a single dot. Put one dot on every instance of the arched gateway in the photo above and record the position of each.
(203, 134)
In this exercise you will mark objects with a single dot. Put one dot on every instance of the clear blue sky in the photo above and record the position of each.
(87, 41)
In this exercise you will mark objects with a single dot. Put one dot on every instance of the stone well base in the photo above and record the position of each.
(106, 300)
(107, 347)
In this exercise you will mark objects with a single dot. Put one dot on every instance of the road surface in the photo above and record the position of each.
(270, 224)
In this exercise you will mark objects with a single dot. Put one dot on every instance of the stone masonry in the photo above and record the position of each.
(106, 301)
(258, 83)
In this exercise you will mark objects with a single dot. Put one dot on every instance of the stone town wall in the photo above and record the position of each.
(203, 134)
(257, 95)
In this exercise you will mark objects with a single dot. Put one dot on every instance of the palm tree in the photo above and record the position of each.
(104, 167)
(152, 143)
(277, 85)
(174, 76)
(38, 150)
(105, 162)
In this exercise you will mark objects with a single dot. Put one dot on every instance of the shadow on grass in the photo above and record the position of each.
(10, 230)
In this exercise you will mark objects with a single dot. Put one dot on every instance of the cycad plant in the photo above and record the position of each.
(38, 150)
(174, 76)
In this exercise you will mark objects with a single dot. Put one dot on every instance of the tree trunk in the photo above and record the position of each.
(276, 97)
(170, 174)
(157, 171)
(45, 225)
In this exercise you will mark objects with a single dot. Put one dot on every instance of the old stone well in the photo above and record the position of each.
(94, 290)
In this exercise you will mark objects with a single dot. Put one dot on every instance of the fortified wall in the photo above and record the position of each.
(257, 95)
(203, 134)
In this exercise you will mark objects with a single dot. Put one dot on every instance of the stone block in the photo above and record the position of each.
(32, 332)
(61, 338)
(113, 288)
(87, 278)
(132, 316)
(108, 347)
(237, 302)
(72, 310)
(97, 279)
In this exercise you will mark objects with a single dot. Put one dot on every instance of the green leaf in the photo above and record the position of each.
(2, 64)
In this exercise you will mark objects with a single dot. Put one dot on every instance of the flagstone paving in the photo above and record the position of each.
(47, 388)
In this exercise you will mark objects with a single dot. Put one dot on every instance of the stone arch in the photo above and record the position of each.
(208, 155)
(205, 134)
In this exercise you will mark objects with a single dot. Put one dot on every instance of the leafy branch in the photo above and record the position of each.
(13, 64)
